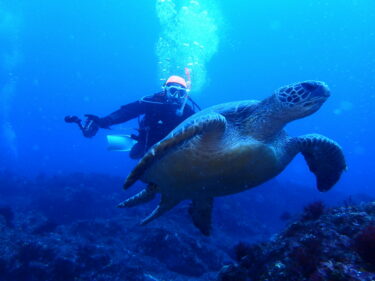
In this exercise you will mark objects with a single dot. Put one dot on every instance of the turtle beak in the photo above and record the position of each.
(319, 90)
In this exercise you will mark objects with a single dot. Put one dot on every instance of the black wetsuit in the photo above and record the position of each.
(158, 120)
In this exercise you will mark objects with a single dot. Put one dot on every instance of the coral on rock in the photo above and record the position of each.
(323, 245)
(364, 244)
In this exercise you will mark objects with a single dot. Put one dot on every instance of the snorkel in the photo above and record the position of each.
(180, 111)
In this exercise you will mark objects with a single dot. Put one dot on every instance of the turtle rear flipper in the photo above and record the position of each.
(167, 202)
(141, 197)
(200, 211)
(204, 124)
(325, 159)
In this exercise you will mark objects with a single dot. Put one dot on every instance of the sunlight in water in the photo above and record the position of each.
(9, 59)
(189, 38)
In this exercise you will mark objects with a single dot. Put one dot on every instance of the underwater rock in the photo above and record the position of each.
(233, 272)
(102, 249)
(7, 213)
(313, 211)
(181, 253)
(364, 244)
(337, 244)
(67, 227)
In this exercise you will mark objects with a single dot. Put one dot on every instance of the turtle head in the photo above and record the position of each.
(301, 99)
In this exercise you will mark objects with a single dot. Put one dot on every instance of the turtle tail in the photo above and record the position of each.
(325, 159)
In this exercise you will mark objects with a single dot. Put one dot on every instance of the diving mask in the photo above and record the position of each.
(176, 91)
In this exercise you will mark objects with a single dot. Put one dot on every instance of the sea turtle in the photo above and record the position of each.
(231, 147)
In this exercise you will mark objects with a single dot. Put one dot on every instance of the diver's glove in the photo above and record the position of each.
(92, 125)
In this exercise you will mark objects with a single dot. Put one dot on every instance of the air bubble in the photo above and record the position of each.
(189, 37)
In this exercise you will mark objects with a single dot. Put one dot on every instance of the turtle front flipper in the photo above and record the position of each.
(200, 211)
(205, 124)
(325, 159)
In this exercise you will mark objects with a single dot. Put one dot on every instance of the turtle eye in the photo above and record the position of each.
(310, 86)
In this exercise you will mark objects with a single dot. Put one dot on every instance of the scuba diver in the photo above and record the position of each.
(157, 114)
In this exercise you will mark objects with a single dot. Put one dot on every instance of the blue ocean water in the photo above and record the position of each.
(59, 58)
(95, 56)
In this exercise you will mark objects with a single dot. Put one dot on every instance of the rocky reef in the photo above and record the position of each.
(324, 244)
(67, 227)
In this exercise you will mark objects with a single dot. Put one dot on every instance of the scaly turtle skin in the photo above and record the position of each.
(231, 147)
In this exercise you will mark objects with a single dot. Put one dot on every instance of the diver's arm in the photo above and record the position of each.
(125, 113)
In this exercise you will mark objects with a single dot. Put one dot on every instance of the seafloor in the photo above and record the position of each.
(67, 227)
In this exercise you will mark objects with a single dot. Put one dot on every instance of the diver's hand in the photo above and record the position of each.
(94, 118)
(101, 122)
(92, 125)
